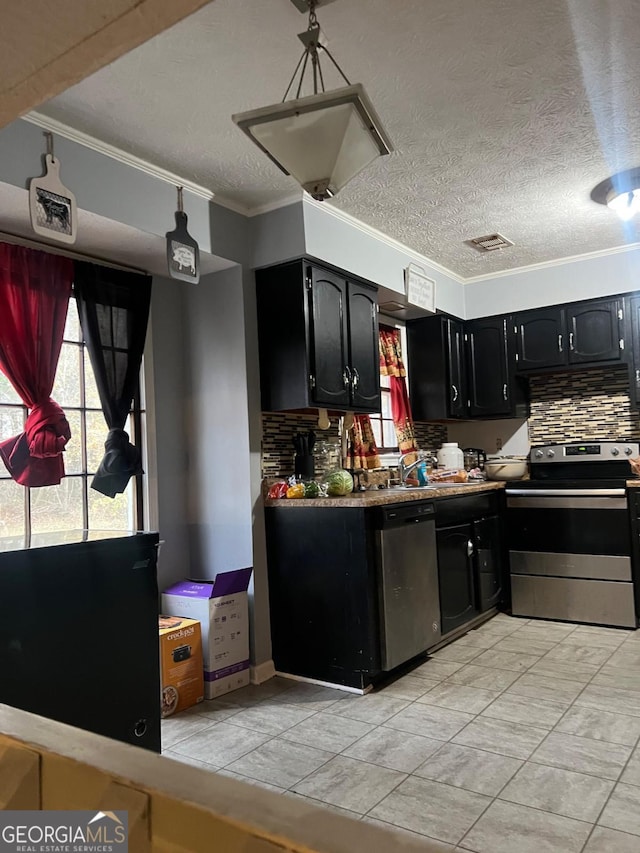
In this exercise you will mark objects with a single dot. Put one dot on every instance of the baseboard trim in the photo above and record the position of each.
(344, 687)
(262, 672)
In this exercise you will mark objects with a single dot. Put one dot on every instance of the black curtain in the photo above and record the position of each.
(114, 311)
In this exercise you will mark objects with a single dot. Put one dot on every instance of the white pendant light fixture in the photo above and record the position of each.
(322, 140)
(621, 193)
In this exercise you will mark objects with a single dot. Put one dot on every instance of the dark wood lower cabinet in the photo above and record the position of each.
(471, 565)
(488, 549)
(323, 594)
(456, 576)
(348, 586)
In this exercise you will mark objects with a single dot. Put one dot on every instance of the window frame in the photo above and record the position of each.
(378, 419)
(137, 413)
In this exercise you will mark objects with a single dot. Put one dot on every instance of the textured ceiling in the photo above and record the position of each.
(504, 114)
(45, 46)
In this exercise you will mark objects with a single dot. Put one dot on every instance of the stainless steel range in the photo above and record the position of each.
(569, 534)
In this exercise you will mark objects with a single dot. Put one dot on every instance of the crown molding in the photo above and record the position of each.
(275, 205)
(127, 159)
(84, 139)
(382, 237)
(558, 262)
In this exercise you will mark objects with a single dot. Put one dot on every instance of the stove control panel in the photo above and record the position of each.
(596, 451)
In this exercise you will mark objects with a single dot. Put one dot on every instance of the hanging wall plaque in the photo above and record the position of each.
(52, 206)
(183, 253)
(420, 290)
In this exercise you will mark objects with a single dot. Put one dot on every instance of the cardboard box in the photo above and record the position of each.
(180, 664)
(222, 608)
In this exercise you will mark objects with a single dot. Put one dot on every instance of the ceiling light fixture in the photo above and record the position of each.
(620, 192)
(322, 140)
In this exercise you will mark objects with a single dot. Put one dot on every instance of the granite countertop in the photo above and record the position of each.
(380, 497)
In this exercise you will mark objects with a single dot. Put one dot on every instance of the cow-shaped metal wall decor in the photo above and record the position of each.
(183, 253)
(52, 206)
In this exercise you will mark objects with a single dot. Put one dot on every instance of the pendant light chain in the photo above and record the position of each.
(312, 48)
(313, 19)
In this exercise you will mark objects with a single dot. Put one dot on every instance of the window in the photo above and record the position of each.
(73, 505)
(382, 425)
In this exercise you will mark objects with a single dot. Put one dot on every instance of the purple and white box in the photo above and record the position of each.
(222, 608)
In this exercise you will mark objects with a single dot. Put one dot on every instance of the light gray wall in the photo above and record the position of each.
(112, 189)
(205, 431)
(219, 503)
(167, 464)
(259, 593)
(277, 236)
(567, 282)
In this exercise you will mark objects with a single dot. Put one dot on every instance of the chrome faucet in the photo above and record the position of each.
(405, 469)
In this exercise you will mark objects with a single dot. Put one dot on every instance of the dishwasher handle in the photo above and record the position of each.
(400, 515)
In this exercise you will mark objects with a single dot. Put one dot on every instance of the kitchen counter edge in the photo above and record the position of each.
(380, 497)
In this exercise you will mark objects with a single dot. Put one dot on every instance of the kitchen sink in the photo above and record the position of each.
(434, 486)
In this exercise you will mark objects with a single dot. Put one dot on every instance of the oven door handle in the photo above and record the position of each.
(559, 500)
(566, 493)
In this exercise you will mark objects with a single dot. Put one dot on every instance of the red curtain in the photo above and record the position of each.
(391, 365)
(34, 295)
(362, 451)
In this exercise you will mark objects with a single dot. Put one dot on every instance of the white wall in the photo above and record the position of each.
(549, 285)
(506, 437)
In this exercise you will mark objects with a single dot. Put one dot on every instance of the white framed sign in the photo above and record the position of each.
(420, 290)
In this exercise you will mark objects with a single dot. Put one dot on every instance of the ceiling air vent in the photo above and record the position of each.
(489, 243)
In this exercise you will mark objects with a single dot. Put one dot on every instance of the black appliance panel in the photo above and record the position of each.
(568, 531)
(597, 471)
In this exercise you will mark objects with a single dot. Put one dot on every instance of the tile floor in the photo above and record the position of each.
(520, 736)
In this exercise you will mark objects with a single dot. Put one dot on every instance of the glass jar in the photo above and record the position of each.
(326, 454)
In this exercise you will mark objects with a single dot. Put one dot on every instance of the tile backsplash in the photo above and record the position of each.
(430, 435)
(576, 406)
(278, 429)
(582, 405)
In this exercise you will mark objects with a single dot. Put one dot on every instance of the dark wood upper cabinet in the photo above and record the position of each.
(489, 381)
(435, 365)
(328, 338)
(318, 339)
(595, 331)
(454, 332)
(541, 339)
(579, 333)
(634, 360)
(462, 370)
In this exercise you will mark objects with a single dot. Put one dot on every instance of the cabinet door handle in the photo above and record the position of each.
(638, 376)
(469, 548)
(455, 393)
(504, 391)
(356, 378)
(571, 341)
(559, 343)
(346, 376)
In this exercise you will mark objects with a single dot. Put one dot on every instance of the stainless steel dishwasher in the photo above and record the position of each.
(408, 581)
